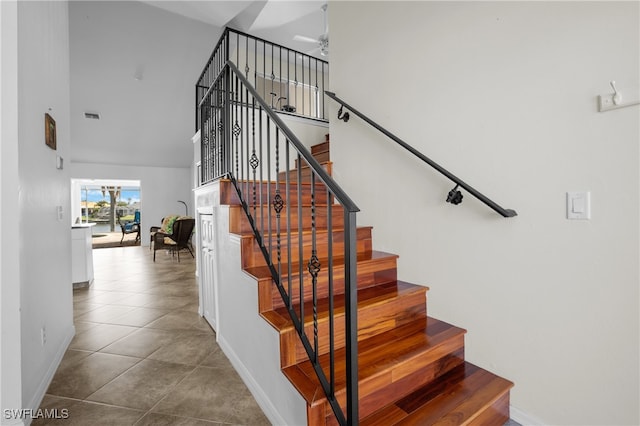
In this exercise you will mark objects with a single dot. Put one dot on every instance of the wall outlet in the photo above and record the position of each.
(43, 335)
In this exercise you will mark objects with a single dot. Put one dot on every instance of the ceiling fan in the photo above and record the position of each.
(322, 41)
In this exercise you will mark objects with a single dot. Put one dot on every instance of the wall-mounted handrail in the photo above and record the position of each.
(454, 196)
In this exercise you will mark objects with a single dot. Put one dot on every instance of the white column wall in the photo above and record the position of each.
(504, 95)
(44, 243)
(10, 351)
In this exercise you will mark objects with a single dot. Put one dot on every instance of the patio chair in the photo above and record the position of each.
(178, 240)
(131, 227)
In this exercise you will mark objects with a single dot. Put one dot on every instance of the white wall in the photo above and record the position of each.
(45, 239)
(10, 351)
(160, 188)
(143, 121)
(504, 95)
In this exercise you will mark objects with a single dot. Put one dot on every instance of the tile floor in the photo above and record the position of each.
(142, 355)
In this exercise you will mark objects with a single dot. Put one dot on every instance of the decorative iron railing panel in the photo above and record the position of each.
(300, 219)
(291, 82)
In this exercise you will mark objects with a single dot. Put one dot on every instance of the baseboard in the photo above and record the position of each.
(523, 418)
(258, 393)
(36, 400)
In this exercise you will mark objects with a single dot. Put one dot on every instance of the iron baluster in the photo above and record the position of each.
(278, 203)
(241, 176)
(269, 233)
(246, 60)
(314, 267)
(300, 240)
(254, 162)
(332, 362)
(302, 91)
(288, 192)
(245, 135)
(315, 103)
(351, 315)
(236, 127)
(261, 178)
(255, 63)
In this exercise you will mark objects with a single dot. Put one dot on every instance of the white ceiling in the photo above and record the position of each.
(136, 63)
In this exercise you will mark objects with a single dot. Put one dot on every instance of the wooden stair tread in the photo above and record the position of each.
(263, 272)
(305, 174)
(455, 398)
(274, 232)
(229, 196)
(378, 355)
(321, 157)
(367, 297)
(321, 147)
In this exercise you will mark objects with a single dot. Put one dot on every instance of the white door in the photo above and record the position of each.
(207, 244)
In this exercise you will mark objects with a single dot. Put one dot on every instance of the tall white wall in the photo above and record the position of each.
(10, 363)
(44, 244)
(160, 188)
(504, 95)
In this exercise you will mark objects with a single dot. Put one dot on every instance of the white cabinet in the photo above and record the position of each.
(81, 256)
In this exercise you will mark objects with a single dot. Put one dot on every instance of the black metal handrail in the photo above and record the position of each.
(245, 140)
(454, 196)
(293, 81)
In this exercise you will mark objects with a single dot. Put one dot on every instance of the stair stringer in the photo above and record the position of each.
(250, 343)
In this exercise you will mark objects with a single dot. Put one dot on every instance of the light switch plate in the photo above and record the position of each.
(579, 205)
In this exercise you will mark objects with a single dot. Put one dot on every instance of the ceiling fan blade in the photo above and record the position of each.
(306, 39)
(312, 51)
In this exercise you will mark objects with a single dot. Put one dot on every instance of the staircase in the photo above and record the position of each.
(412, 369)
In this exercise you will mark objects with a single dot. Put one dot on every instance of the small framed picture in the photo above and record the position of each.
(49, 131)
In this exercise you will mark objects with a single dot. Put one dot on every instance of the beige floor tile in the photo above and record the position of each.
(143, 385)
(204, 394)
(216, 359)
(186, 348)
(108, 297)
(81, 308)
(141, 343)
(177, 320)
(136, 299)
(154, 419)
(72, 357)
(83, 377)
(105, 313)
(139, 317)
(169, 302)
(100, 336)
(82, 326)
(82, 413)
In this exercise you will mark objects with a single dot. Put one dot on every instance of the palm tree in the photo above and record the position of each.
(114, 194)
